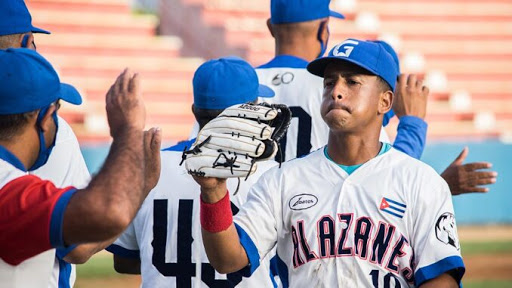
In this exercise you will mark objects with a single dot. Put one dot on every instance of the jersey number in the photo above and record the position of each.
(303, 136)
(184, 269)
(387, 279)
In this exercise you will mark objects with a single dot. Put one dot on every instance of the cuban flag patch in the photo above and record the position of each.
(392, 207)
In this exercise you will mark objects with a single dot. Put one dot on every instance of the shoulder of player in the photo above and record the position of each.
(8, 173)
(408, 162)
(298, 164)
(413, 169)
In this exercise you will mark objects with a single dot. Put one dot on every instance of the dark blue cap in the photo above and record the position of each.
(28, 82)
(15, 18)
(368, 55)
(224, 82)
(391, 52)
(293, 11)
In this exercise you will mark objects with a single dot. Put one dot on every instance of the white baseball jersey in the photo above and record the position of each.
(166, 233)
(302, 92)
(389, 223)
(65, 167)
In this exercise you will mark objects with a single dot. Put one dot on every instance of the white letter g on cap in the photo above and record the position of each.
(344, 49)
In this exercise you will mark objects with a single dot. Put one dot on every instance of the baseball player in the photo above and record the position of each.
(164, 242)
(65, 166)
(355, 213)
(301, 33)
(37, 216)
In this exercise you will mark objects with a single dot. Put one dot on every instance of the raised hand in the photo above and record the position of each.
(410, 97)
(125, 107)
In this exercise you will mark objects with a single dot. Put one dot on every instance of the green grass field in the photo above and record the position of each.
(491, 247)
(101, 266)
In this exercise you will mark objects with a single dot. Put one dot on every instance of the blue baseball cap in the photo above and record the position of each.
(224, 82)
(293, 11)
(28, 82)
(368, 55)
(391, 52)
(15, 18)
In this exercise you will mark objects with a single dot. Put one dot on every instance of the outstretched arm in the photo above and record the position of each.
(152, 140)
(105, 208)
(220, 238)
(410, 106)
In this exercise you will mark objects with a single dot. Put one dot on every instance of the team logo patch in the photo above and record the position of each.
(302, 201)
(392, 207)
(285, 78)
(446, 230)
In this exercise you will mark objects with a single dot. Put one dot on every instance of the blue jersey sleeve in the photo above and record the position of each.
(411, 136)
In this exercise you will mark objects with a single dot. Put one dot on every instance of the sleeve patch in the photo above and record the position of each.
(446, 230)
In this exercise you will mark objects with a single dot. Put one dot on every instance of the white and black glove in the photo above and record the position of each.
(230, 145)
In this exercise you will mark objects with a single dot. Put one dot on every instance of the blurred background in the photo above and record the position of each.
(462, 48)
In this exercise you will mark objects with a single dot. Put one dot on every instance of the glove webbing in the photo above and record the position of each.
(229, 162)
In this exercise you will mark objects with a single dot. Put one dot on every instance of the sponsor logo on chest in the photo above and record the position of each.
(302, 201)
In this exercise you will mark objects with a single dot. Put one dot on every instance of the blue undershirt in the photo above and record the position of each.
(350, 169)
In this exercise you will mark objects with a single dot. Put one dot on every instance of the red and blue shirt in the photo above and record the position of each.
(31, 211)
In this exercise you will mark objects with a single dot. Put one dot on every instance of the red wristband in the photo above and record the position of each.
(216, 217)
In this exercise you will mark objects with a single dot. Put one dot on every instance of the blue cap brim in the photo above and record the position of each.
(69, 94)
(317, 67)
(265, 91)
(336, 15)
(39, 30)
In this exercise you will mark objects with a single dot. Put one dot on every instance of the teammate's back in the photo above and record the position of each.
(167, 234)
(299, 90)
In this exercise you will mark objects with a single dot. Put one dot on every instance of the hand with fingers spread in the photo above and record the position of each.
(125, 107)
(152, 141)
(468, 178)
(410, 97)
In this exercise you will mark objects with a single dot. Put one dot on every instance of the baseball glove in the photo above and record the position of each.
(230, 145)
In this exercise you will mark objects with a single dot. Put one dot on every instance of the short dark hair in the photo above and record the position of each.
(8, 41)
(12, 125)
(384, 86)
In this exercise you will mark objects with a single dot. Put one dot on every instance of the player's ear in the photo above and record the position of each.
(25, 41)
(269, 26)
(325, 29)
(385, 102)
(47, 120)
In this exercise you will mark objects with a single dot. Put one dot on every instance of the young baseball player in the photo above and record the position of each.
(355, 213)
(36, 215)
(164, 242)
(300, 30)
(301, 33)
